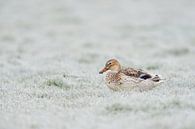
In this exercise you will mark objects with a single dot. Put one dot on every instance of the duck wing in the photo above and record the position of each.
(138, 73)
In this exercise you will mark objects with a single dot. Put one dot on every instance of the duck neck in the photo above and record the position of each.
(117, 68)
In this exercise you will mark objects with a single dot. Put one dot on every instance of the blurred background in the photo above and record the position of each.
(51, 52)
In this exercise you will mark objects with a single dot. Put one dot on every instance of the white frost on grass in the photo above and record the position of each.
(51, 52)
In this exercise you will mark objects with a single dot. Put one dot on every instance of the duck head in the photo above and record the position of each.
(112, 65)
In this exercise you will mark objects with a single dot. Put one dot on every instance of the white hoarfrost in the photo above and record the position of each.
(52, 50)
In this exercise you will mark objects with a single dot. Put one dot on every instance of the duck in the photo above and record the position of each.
(118, 78)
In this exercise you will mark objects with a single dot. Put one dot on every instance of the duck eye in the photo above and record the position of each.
(109, 63)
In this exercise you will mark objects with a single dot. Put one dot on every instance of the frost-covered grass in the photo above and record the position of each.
(51, 52)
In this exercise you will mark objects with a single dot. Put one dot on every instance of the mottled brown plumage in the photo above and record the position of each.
(118, 77)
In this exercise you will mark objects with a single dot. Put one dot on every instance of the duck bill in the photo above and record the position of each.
(103, 70)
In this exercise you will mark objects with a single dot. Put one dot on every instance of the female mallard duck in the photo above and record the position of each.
(128, 78)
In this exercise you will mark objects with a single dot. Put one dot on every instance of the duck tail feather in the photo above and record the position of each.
(156, 78)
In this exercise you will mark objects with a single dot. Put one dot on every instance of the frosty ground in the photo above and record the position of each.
(51, 53)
